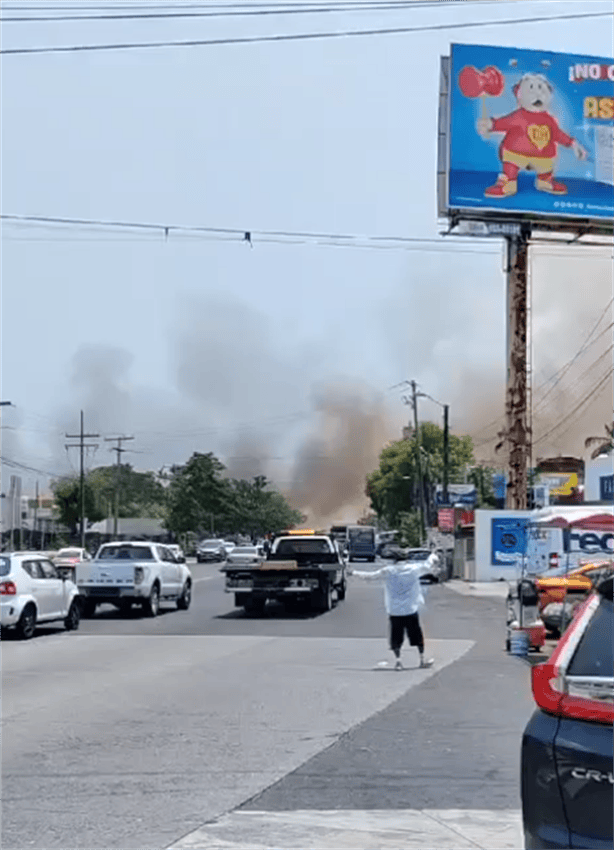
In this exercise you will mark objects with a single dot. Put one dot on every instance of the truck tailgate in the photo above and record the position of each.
(106, 572)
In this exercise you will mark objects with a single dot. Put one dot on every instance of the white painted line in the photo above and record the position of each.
(411, 829)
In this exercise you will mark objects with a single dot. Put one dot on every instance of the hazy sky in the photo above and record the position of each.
(199, 344)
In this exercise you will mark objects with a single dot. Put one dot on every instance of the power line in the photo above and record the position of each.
(78, 48)
(251, 237)
(571, 413)
(563, 371)
(232, 10)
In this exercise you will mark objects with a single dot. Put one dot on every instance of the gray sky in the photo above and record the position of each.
(198, 344)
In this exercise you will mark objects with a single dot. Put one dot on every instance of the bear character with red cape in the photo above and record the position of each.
(532, 135)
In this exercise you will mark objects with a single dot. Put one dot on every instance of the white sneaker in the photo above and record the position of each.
(426, 662)
(398, 665)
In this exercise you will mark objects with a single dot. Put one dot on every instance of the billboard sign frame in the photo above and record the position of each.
(577, 193)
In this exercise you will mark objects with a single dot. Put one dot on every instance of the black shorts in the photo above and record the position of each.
(408, 624)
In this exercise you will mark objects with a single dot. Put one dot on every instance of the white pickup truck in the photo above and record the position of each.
(134, 573)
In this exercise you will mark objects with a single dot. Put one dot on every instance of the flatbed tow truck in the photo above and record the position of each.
(304, 570)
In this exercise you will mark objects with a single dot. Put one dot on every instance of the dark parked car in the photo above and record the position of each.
(566, 759)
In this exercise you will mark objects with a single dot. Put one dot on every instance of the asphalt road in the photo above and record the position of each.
(134, 732)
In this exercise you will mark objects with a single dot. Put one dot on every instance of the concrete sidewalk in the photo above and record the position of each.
(359, 830)
(498, 589)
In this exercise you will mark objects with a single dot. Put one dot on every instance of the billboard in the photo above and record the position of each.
(526, 132)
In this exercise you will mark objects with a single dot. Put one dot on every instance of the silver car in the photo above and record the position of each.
(246, 555)
(32, 592)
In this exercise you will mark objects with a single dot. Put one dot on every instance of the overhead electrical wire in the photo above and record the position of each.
(451, 244)
(309, 36)
(599, 385)
(230, 10)
(251, 237)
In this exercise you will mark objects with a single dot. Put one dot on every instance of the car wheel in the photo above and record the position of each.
(326, 598)
(73, 618)
(152, 606)
(26, 625)
(183, 603)
(88, 608)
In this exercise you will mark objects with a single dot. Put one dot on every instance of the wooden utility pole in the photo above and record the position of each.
(81, 436)
(517, 432)
(118, 448)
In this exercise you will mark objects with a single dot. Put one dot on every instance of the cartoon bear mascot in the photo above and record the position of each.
(530, 141)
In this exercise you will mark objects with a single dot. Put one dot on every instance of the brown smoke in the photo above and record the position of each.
(350, 430)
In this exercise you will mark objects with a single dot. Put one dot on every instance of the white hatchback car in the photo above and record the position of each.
(32, 592)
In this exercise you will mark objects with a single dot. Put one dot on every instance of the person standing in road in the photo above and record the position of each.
(403, 598)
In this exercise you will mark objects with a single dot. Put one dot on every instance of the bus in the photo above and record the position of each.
(361, 542)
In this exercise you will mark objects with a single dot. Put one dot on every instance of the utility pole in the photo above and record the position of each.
(414, 396)
(446, 451)
(81, 436)
(517, 431)
(118, 448)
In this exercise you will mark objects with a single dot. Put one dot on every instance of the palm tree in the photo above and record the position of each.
(604, 444)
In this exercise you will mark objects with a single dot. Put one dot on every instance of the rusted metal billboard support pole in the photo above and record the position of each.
(516, 427)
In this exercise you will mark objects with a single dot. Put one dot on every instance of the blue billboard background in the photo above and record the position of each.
(508, 540)
(580, 105)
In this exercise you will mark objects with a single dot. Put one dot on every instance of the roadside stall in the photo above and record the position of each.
(569, 549)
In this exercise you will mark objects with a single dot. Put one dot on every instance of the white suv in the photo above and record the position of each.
(32, 592)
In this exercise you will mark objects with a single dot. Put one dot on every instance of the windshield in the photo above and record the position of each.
(244, 550)
(361, 536)
(420, 555)
(594, 653)
(5, 566)
(69, 553)
(211, 544)
(126, 553)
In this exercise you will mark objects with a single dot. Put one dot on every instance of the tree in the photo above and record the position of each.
(199, 498)
(604, 444)
(481, 478)
(67, 493)
(256, 509)
(140, 493)
(393, 488)
(410, 530)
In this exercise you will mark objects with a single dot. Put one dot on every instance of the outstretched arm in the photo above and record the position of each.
(369, 576)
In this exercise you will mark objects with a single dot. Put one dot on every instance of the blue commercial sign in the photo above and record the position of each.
(531, 132)
(458, 494)
(606, 488)
(508, 540)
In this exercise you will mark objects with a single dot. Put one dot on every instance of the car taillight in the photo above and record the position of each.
(139, 575)
(563, 696)
(8, 588)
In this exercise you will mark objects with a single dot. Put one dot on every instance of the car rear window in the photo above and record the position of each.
(306, 547)
(5, 566)
(594, 655)
(127, 553)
